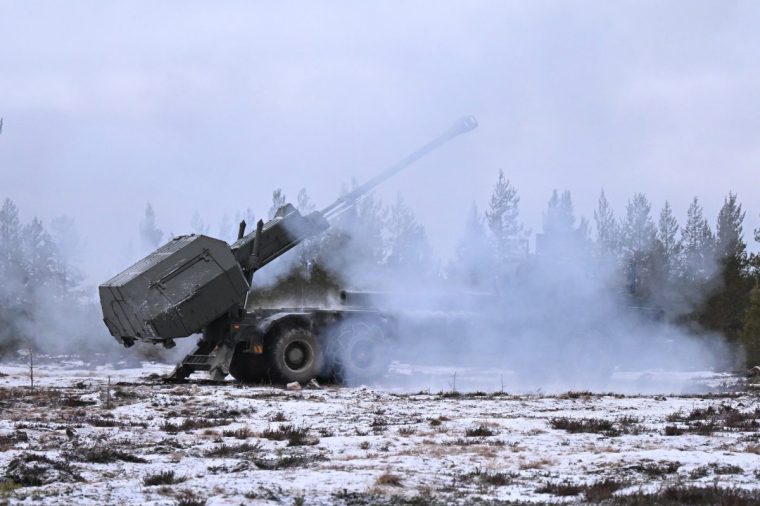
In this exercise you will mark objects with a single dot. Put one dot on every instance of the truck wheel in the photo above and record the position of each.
(295, 355)
(248, 367)
(361, 353)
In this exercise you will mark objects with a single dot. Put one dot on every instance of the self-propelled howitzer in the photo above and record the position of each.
(196, 283)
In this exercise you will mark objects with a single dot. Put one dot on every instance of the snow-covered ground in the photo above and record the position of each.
(232, 444)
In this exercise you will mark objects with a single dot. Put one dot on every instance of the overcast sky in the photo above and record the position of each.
(208, 106)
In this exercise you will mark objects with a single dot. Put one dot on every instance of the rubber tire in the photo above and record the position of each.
(279, 368)
(361, 353)
(247, 367)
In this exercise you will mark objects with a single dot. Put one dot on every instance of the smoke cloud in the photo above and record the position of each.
(569, 316)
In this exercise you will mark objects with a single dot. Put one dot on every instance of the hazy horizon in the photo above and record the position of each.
(208, 109)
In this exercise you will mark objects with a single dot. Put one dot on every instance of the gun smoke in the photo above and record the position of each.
(571, 315)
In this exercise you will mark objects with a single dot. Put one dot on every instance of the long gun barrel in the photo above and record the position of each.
(288, 228)
(347, 201)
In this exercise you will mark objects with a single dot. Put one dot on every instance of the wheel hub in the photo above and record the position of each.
(296, 355)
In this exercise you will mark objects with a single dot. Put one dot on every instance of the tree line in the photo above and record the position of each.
(43, 303)
(698, 276)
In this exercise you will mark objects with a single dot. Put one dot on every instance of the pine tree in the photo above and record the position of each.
(12, 273)
(150, 234)
(353, 251)
(370, 225)
(509, 235)
(409, 253)
(559, 218)
(39, 254)
(68, 245)
(729, 229)
(40, 297)
(583, 232)
(10, 226)
(725, 309)
(473, 259)
(697, 246)
(638, 243)
(278, 200)
(665, 289)
(303, 202)
(561, 237)
(10, 240)
(667, 238)
(754, 260)
(607, 230)
(308, 250)
(750, 335)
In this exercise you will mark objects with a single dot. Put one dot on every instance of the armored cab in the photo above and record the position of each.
(173, 292)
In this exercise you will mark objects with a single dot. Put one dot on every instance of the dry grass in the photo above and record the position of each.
(656, 469)
(72, 401)
(325, 432)
(8, 486)
(296, 436)
(716, 469)
(227, 451)
(535, 463)
(406, 431)
(585, 395)
(673, 430)
(562, 489)
(190, 501)
(285, 462)
(494, 479)
(706, 421)
(162, 478)
(691, 495)
(242, 433)
(103, 455)
(602, 490)
(592, 425)
(190, 424)
(33, 470)
(8, 441)
(387, 479)
(479, 431)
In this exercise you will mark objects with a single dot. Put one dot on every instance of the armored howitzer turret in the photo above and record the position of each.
(193, 280)
(195, 284)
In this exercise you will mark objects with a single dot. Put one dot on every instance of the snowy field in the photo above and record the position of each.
(696, 440)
